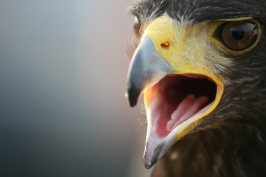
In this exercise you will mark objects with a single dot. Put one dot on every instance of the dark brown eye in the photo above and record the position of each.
(238, 35)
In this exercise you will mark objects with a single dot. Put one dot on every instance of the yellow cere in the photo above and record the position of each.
(189, 47)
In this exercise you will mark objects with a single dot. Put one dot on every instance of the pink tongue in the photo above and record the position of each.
(186, 109)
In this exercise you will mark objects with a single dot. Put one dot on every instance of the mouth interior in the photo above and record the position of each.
(178, 97)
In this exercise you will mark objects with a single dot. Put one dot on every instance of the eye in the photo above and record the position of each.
(238, 35)
(137, 26)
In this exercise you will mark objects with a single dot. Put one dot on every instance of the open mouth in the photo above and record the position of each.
(176, 99)
(174, 106)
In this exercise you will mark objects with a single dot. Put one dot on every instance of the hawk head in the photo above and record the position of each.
(201, 67)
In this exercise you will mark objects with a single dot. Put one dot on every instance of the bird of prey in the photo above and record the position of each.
(201, 68)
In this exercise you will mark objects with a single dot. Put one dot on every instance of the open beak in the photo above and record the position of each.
(178, 89)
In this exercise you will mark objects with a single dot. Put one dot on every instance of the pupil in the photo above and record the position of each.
(238, 33)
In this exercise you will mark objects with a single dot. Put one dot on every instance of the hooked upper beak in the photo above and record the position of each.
(146, 69)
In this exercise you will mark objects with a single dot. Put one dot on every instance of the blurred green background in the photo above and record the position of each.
(63, 67)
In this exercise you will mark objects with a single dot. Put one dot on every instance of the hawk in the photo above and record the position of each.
(201, 68)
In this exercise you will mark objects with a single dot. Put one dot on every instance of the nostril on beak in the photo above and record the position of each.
(165, 45)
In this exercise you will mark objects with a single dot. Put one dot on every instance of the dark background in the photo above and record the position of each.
(63, 67)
